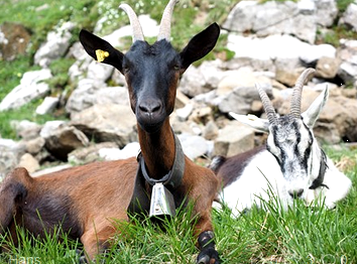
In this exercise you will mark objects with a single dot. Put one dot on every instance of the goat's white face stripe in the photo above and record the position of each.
(290, 141)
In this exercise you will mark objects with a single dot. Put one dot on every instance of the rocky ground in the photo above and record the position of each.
(273, 43)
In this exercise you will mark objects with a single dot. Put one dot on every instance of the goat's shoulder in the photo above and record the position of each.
(17, 183)
(197, 174)
(199, 181)
(19, 174)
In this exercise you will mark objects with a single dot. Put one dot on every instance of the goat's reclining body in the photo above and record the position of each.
(86, 199)
(292, 165)
(83, 200)
(251, 185)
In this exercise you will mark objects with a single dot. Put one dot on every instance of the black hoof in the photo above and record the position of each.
(208, 255)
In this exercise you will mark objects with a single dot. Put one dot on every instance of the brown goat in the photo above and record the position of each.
(85, 199)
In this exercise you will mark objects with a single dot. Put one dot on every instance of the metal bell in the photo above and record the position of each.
(162, 201)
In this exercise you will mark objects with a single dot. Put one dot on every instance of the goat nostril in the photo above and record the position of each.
(143, 108)
(156, 108)
(296, 193)
(150, 108)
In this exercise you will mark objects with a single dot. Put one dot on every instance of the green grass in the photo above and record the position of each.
(26, 112)
(300, 235)
(343, 4)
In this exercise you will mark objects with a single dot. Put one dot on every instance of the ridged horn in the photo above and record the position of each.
(134, 22)
(295, 110)
(268, 107)
(165, 24)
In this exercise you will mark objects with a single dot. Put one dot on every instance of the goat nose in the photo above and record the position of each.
(296, 193)
(150, 107)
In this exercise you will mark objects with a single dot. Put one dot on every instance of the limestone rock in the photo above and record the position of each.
(47, 106)
(99, 71)
(92, 92)
(25, 129)
(326, 12)
(64, 140)
(31, 87)
(350, 16)
(56, 45)
(274, 47)
(35, 145)
(233, 139)
(130, 150)
(29, 162)
(202, 79)
(273, 17)
(193, 146)
(241, 98)
(10, 153)
(89, 153)
(109, 122)
(210, 131)
(327, 68)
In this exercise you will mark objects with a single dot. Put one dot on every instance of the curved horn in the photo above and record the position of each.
(268, 107)
(295, 109)
(165, 24)
(134, 22)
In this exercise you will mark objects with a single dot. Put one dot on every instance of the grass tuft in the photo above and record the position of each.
(299, 235)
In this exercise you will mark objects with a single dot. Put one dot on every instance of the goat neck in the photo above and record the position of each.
(158, 150)
(152, 72)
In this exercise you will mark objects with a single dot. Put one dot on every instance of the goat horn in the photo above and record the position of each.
(165, 24)
(268, 107)
(134, 22)
(295, 109)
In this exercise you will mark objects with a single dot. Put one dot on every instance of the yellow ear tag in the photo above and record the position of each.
(101, 55)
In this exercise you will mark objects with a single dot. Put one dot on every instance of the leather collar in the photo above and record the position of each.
(174, 177)
(140, 201)
(318, 182)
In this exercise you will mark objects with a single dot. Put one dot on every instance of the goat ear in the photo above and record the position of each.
(101, 50)
(257, 123)
(312, 113)
(200, 45)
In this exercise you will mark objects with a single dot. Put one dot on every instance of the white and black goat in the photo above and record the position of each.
(292, 165)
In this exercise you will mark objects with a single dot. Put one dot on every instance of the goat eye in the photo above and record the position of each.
(126, 68)
(174, 65)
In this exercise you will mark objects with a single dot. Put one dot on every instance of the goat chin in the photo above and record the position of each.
(253, 186)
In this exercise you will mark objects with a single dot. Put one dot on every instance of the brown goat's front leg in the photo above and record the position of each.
(205, 186)
(96, 240)
(208, 253)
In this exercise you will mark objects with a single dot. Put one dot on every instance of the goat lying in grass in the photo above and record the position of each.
(86, 199)
(292, 165)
